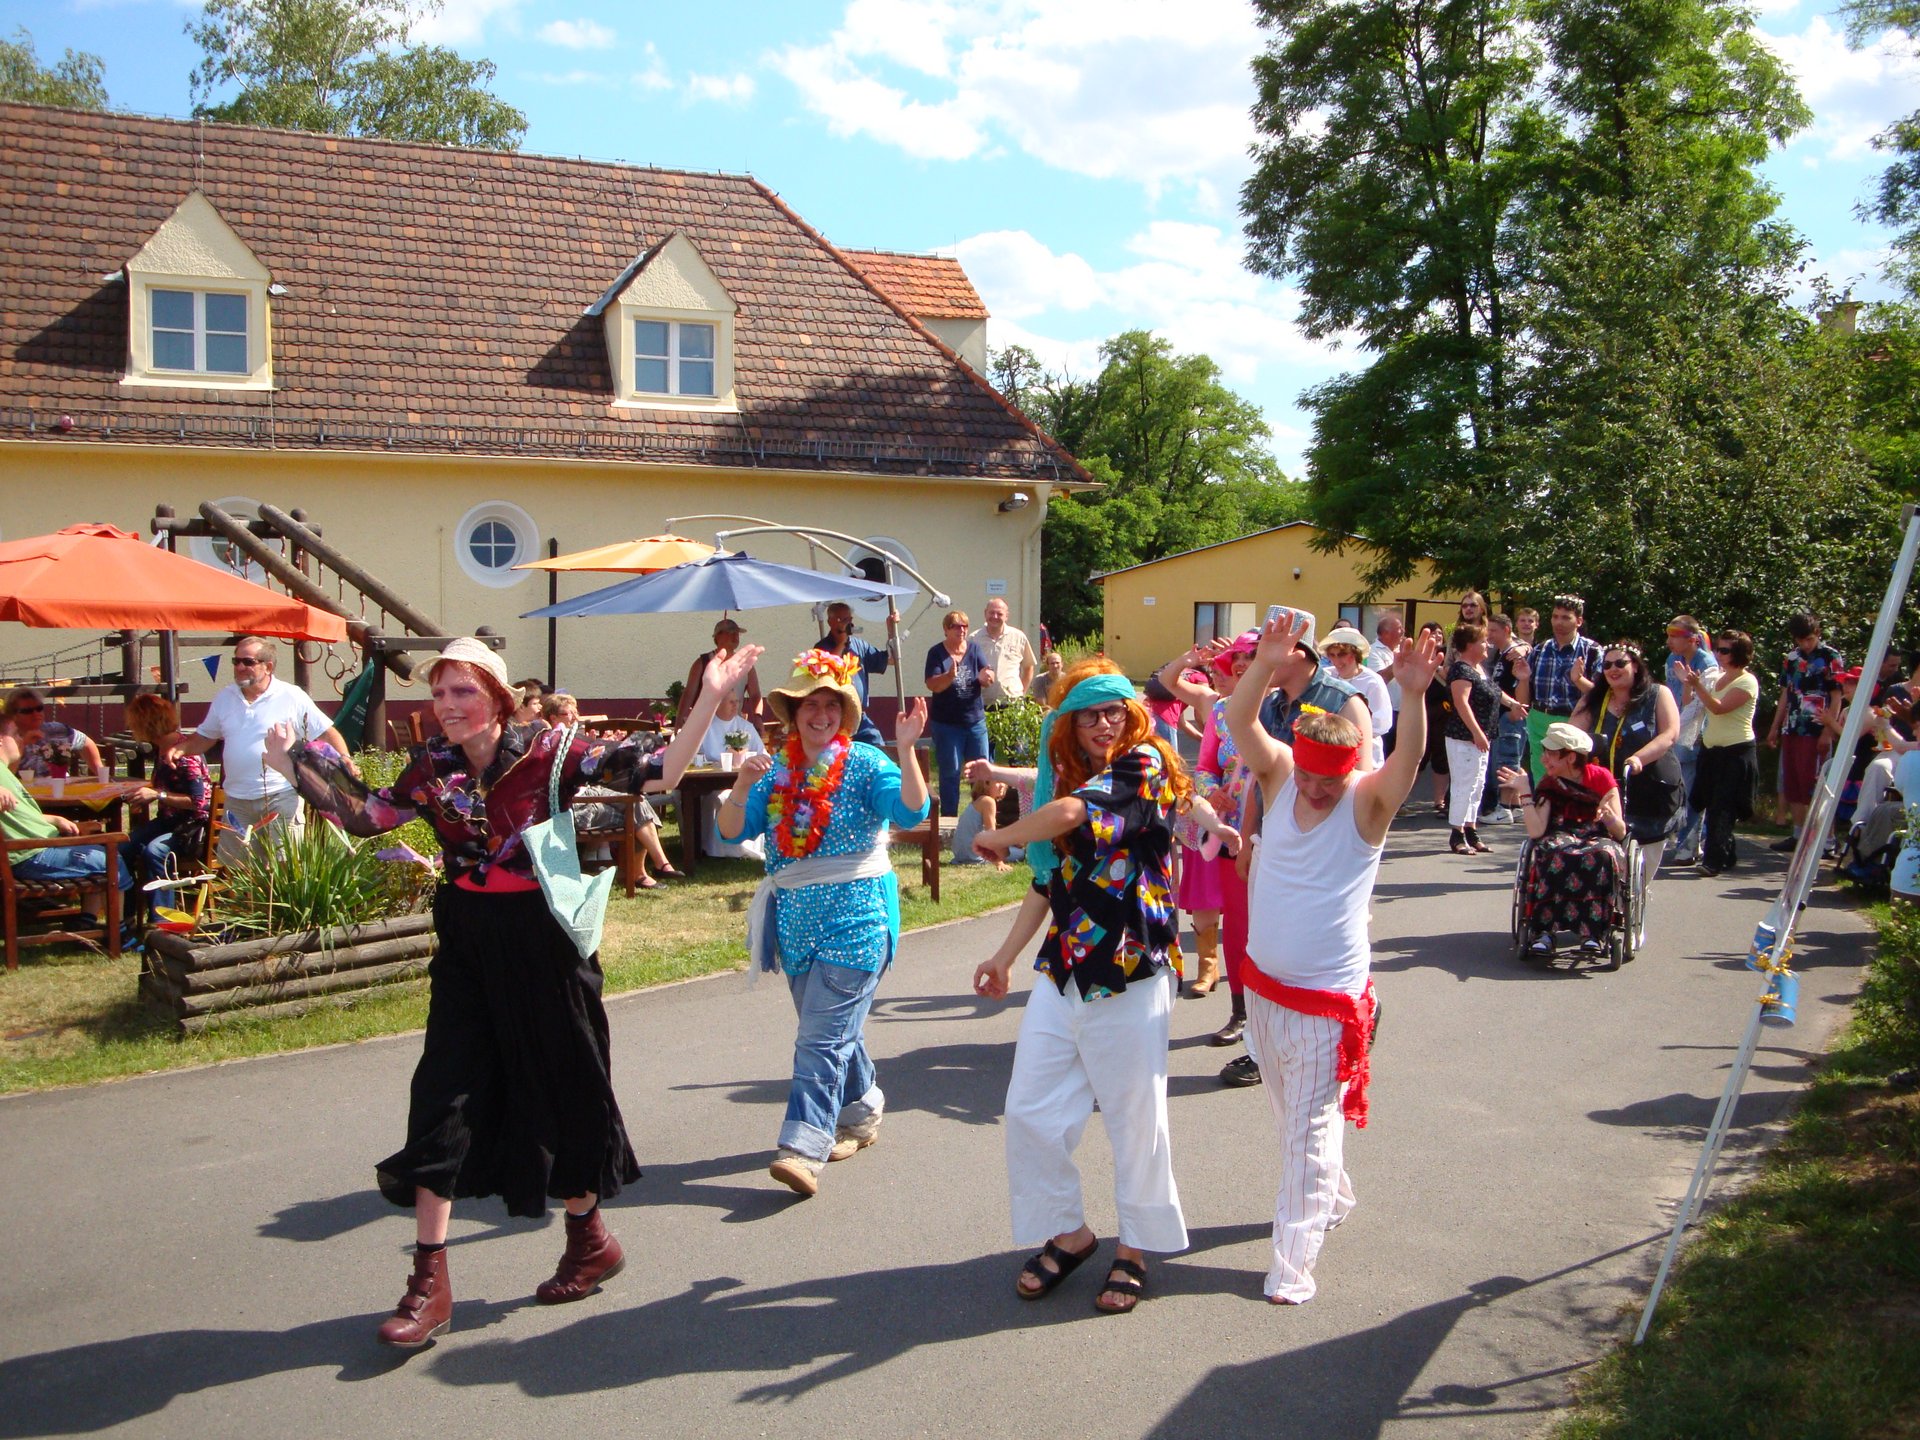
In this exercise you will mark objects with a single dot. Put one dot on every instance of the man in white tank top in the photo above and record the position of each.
(1310, 1001)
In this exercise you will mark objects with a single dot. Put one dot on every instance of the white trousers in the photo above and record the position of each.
(1071, 1053)
(1299, 1059)
(1873, 787)
(1467, 772)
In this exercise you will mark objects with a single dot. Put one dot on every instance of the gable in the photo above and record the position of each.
(194, 241)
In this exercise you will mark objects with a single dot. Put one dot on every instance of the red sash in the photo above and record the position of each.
(1355, 1014)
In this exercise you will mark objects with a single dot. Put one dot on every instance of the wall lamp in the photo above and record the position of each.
(1018, 500)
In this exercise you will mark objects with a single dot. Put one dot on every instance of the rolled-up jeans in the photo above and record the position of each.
(1687, 839)
(953, 746)
(1508, 752)
(833, 1080)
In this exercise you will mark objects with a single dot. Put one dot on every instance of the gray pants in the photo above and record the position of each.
(243, 815)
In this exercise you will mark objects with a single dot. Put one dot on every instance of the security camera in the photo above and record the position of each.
(1019, 500)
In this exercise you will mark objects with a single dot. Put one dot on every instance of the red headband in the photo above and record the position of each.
(1316, 757)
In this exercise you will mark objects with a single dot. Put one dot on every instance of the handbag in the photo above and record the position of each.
(577, 901)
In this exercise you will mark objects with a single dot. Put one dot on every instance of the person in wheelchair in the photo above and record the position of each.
(1576, 862)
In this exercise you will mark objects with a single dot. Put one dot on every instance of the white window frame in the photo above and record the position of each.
(622, 345)
(197, 330)
(674, 357)
(141, 369)
(525, 533)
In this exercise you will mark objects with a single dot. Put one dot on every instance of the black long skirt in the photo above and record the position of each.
(513, 1095)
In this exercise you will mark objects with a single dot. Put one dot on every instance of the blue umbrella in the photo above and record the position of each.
(727, 580)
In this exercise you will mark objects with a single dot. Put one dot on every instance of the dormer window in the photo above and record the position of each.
(669, 327)
(197, 306)
(673, 357)
(198, 330)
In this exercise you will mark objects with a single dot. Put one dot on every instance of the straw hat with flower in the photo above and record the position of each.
(815, 670)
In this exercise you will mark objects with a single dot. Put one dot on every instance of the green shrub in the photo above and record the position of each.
(1013, 732)
(383, 767)
(316, 879)
(1888, 1012)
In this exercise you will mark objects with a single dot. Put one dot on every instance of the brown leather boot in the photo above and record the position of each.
(1206, 944)
(427, 1307)
(592, 1255)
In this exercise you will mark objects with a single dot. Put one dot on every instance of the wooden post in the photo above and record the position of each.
(375, 735)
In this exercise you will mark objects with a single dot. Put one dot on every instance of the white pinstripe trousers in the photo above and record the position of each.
(1299, 1059)
(1071, 1053)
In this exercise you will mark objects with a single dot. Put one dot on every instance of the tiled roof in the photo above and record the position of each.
(433, 299)
(931, 287)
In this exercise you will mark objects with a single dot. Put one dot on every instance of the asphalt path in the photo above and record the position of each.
(202, 1254)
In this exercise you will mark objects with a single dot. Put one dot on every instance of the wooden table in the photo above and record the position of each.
(86, 799)
(696, 783)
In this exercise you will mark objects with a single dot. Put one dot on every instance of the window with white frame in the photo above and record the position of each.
(491, 539)
(201, 331)
(674, 357)
(1221, 619)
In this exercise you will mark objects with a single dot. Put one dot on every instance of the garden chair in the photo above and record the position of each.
(37, 902)
(623, 839)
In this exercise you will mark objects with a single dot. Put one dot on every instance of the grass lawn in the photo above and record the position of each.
(1795, 1310)
(69, 1016)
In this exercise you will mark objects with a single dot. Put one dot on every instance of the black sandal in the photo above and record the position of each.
(1065, 1262)
(1132, 1285)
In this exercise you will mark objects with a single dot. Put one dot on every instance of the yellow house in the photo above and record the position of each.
(1157, 609)
(452, 360)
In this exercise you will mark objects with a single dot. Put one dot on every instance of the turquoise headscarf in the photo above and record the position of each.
(1094, 690)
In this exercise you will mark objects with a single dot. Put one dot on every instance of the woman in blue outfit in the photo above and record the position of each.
(828, 912)
(958, 671)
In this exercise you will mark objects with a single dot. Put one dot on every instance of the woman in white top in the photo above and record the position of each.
(1344, 649)
(727, 720)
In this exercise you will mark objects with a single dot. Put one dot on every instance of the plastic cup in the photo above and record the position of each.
(59, 784)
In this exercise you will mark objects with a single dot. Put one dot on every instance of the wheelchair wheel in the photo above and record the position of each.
(1520, 902)
(1623, 940)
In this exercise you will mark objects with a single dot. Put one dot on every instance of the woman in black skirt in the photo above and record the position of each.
(513, 1095)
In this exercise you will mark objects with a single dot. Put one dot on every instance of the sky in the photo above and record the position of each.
(1082, 158)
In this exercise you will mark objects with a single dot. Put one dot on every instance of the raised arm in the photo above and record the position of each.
(1173, 675)
(320, 774)
(1266, 758)
(721, 675)
(1380, 794)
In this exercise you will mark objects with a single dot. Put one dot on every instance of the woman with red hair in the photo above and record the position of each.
(1098, 1031)
(513, 1095)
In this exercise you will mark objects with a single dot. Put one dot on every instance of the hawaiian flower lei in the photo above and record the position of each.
(802, 797)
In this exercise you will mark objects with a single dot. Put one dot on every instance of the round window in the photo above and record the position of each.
(218, 550)
(874, 561)
(491, 539)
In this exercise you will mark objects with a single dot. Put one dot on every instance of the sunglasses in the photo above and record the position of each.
(955, 625)
(1616, 664)
(1105, 715)
(247, 660)
(1723, 650)
(28, 709)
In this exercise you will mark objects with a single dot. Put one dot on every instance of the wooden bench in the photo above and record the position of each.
(926, 834)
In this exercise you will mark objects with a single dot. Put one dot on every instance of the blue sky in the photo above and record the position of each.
(1081, 157)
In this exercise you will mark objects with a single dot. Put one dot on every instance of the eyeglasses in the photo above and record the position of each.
(1616, 664)
(1723, 650)
(1105, 715)
(33, 709)
(240, 660)
(954, 625)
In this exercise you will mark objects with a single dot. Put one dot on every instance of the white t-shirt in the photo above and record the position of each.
(244, 727)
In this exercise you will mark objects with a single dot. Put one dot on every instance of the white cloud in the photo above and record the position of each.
(1188, 285)
(726, 89)
(1127, 89)
(653, 76)
(577, 34)
(460, 22)
(1854, 94)
(571, 79)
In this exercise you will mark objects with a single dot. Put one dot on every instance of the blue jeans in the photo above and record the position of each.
(832, 1077)
(1687, 840)
(953, 746)
(72, 862)
(1508, 752)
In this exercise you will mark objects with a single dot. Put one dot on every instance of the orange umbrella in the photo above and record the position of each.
(94, 577)
(633, 557)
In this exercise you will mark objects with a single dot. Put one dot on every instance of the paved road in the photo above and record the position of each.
(202, 1255)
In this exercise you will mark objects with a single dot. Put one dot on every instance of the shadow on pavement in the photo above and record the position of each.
(115, 1382)
(965, 1082)
(1473, 955)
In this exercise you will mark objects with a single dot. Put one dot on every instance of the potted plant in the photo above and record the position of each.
(736, 744)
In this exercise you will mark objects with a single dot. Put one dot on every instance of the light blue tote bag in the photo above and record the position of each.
(578, 902)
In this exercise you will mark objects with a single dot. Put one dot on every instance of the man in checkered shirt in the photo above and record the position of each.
(1559, 670)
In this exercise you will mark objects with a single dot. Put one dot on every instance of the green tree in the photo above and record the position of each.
(1183, 462)
(77, 82)
(1542, 221)
(343, 67)
(1897, 201)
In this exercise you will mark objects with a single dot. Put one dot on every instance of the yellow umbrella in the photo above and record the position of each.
(633, 557)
